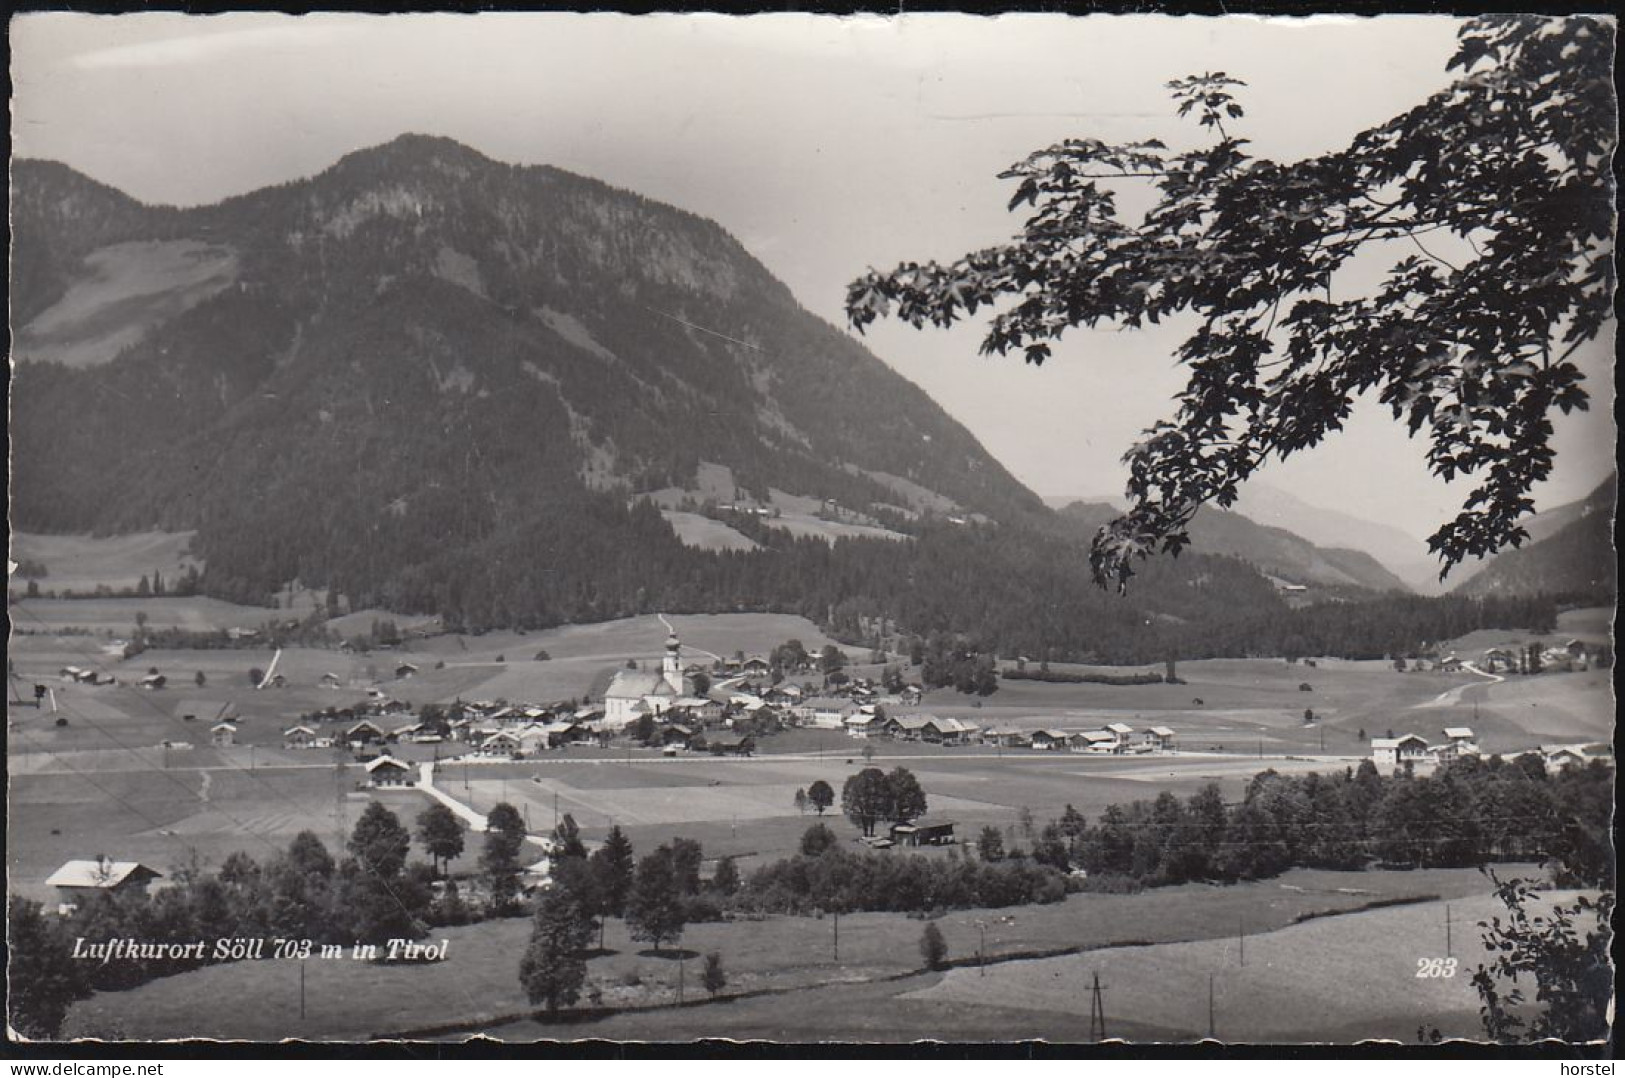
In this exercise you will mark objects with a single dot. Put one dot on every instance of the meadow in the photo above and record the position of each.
(478, 984)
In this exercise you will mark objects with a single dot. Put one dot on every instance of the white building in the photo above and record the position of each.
(632, 693)
(1391, 753)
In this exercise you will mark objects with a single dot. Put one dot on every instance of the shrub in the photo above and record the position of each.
(933, 948)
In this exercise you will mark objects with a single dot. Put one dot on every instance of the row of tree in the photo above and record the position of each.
(1471, 812)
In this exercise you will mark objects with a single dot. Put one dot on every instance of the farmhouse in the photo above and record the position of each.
(330, 681)
(1006, 738)
(154, 681)
(1121, 733)
(222, 734)
(298, 737)
(503, 742)
(923, 834)
(1160, 739)
(388, 771)
(947, 731)
(1459, 741)
(908, 727)
(863, 726)
(78, 880)
(1049, 740)
(733, 746)
(1391, 753)
(364, 732)
(406, 670)
(1093, 741)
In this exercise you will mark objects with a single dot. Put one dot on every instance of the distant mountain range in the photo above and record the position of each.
(1570, 556)
(1291, 560)
(436, 383)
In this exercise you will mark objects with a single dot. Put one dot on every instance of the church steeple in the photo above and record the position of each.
(672, 666)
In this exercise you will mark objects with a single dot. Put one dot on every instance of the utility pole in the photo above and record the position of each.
(301, 990)
(1447, 929)
(1241, 939)
(1097, 1012)
(981, 955)
(836, 951)
(555, 810)
(1210, 1030)
(679, 976)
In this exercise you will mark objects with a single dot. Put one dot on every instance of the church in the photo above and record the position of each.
(632, 693)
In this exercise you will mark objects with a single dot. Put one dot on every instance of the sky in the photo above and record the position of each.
(825, 145)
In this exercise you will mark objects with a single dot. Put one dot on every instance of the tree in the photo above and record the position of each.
(554, 968)
(726, 879)
(821, 795)
(379, 843)
(441, 834)
(816, 839)
(567, 844)
(907, 796)
(800, 800)
(1486, 208)
(200, 679)
(644, 729)
(309, 857)
(613, 862)
(866, 799)
(255, 676)
(499, 860)
(41, 975)
(933, 948)
(713, 978)
(686, 857)
(1567, 962)
(831, 659)
(990, 844)
(654, 909)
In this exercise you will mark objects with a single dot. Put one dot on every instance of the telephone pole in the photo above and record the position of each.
(1212, 1036)
(1447, 929)
(1097, 1011)
(1241, 939)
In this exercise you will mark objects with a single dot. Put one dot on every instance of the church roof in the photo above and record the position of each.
(636, 684)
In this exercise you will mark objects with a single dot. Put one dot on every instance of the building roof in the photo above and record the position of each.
(1053, 735)
(1095, 736)
(952, 726)
(224, 726)
(636, 684)
(297, 730)
(387, 761)
(1395, 742)
(915, 722)
(1454, 732)
(1120, 728)
(100, 874)
(1162, 731)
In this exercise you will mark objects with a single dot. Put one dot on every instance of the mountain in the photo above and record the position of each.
(1283, 555)
(422, 300)
(1572, 556)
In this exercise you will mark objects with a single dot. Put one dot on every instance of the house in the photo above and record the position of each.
(502, 743)
(364, 732)
(1159, 739)
(1006, 738)
(298, 737)
(863, 726)
(1560, 756)
(77, 881)
(1459, 741)
(1092, 741)
(1450, 664)
(911, 695)
(1392, 753)
(923, 834)
(330, 681)
(947, 731)
(733, 746)
(222, 734)
(1049, 740)
(388, 771)
(677, 736)
(1121, 732)
(154, 681)
(755, 666)
(405, 670)
(908, 727)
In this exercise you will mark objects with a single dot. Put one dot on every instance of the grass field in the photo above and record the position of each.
(82, 562)
(349, 999)
(131, 287)
(704, 533)
(1289, 985)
